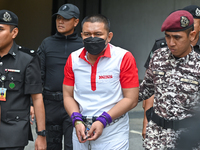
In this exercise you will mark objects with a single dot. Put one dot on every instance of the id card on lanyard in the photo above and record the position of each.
(2, 89)
(3, 94)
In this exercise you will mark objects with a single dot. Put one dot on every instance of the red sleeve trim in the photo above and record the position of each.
(129, 72)
(68, 72)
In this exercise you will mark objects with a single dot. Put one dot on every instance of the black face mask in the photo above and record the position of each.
(94, 45)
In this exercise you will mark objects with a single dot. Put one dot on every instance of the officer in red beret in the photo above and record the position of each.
(160, 43)
(173, 78)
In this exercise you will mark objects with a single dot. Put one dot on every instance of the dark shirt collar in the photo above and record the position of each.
(197, 46)
(72, 36)
(13, 50)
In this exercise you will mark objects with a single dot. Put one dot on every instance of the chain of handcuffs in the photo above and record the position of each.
(88, 123)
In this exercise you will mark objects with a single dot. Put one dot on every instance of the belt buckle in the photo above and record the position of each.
(168, 124)
(56, 96)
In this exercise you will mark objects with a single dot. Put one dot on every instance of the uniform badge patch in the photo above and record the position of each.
(197, 12)
(11, 85)
(7, 17)
(189, 81)
(162, 73)
(184, 21)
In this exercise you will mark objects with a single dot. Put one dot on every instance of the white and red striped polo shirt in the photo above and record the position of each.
(98, 87)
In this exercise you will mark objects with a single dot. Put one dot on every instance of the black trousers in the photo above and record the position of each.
(58, 124)
(14, 148)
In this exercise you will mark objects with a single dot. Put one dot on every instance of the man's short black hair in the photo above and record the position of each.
(12, 27)
(187, 31)
(97, 18)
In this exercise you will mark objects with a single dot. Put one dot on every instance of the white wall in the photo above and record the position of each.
(137, 23)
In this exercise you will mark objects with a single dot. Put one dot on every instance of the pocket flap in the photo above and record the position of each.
(17, 115)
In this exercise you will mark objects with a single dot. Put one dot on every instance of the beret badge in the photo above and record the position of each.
(184, 21)
(7, 17)
(197, 12)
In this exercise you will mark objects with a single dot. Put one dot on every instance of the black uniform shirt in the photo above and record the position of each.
(54, 52)
(22, 71)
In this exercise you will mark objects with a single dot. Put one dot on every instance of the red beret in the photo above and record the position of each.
(178, 21)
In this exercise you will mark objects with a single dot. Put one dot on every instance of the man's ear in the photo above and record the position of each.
(15, 32)
(110, 35)
(76, 21)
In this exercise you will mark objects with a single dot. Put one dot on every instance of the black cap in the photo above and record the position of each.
(8, 17)
(68, 11)
(194, 10)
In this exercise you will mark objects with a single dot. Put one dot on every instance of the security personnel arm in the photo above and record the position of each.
(40, 142)
(147, 87)
(37, 99)
(148, 103)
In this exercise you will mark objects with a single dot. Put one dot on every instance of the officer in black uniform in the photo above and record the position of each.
(19, 80)
(160, 43)
(54, 52)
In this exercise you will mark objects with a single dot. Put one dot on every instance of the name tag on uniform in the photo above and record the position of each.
(156, 72)
(3, 94)
(189, 81)
(11, 70)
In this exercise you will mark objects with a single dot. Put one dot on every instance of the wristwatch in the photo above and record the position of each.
(42, 133)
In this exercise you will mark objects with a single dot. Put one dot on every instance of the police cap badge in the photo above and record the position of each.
(194, 10)
(179, 20)
(8, 17)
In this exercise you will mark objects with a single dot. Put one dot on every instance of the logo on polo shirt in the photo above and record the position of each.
(106, 77)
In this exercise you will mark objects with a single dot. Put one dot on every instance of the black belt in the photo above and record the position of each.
(164, 123)
(54, 96)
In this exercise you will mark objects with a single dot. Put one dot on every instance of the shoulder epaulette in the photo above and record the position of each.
(28, 51)
(161, 42)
